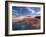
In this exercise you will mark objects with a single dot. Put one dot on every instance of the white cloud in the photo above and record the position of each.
(38, 12)
(29, 9)
(15, 12)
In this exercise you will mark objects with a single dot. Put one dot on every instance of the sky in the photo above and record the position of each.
(25, 11)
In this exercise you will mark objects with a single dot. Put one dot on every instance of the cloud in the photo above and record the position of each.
(15, 12)
(38, 12)
(32, 11)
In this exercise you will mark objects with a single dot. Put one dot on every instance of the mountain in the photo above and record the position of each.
(28, 20)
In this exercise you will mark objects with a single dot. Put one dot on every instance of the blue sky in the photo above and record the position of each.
(25, 11)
